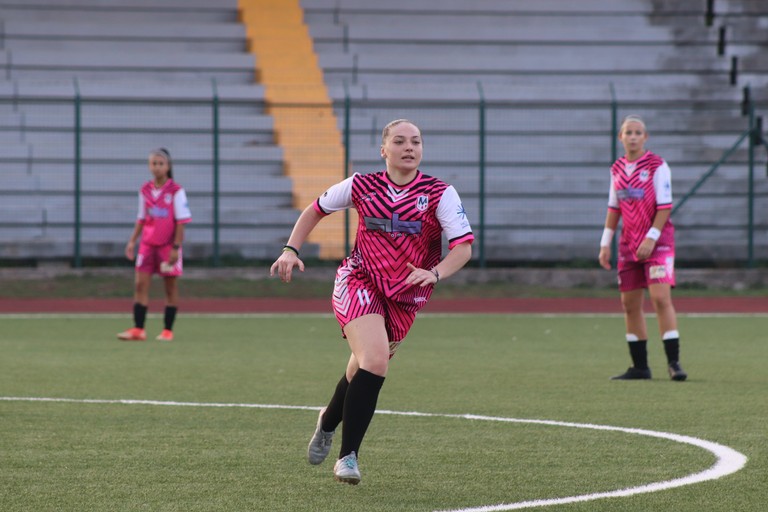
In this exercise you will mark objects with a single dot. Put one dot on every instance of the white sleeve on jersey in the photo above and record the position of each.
(180, 206)
(662, 183)
(613, 201)
(451, 214)
(141, 215)
(338, 196)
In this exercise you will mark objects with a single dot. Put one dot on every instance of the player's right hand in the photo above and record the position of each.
(284, 266)
(605, 257)
(129, 252)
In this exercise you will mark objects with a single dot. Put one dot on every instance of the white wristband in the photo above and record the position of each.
(653, 234)
(607, 238)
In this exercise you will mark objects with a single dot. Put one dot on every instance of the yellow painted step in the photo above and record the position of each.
(312, 145)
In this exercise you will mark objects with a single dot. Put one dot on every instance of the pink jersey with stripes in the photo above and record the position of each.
(160, 209)
(399, 224)
(638, 190)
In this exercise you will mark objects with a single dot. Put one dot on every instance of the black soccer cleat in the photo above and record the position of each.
(633, 373)
(676, 372)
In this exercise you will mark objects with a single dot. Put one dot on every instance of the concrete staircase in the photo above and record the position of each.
(305, 123)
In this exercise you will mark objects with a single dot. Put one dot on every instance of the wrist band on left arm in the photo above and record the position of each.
(436, 273)
(653, 234)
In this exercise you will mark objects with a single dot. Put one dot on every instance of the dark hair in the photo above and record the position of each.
(167, 155)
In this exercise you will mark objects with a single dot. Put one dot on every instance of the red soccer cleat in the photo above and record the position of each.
(133, 334)
(166, 335)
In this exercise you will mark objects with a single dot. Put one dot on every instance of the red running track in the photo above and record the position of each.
(472, 305)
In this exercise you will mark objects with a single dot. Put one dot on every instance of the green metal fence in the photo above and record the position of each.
(533, 176)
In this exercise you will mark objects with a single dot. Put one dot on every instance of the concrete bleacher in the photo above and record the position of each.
(548, 72)
(146, 74)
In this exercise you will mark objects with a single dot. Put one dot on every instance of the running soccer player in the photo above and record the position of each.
(388, 277)
(163, 213)
(641, 194)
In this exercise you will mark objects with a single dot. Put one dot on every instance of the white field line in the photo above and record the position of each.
(728, 460)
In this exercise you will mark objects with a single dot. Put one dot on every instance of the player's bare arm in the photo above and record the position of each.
(178, 237)
(289, 258)
(611, 222)
(130, 252)
(646, 246)
(452, 263)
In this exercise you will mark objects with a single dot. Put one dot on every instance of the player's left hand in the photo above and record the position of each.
(420, 276)
(645, 249)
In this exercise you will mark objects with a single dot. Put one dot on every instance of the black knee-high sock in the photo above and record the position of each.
(335, 409)
(139, 315)
(639, 352)
(359, 406)
(170, 316)
(672, 349)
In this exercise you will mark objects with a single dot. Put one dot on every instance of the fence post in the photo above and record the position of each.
(614, 157)
(481, 166)
(347, 154)
(215, 108)
(77, 263)
(751, 190)
(709, 15)
(721, 41)
(746, 100)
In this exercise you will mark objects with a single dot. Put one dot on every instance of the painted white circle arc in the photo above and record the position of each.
(728, 460)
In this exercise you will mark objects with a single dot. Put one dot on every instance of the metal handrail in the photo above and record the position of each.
(711, 170)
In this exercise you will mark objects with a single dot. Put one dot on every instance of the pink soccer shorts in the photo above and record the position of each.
(152, 258)
(658, 269)
(354, 296)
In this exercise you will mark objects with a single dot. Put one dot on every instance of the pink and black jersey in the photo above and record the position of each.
(638, 190)
(398, 224)
(160, 209)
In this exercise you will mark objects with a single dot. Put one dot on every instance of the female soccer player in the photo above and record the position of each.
(641, 194)
(387, 278)
(163, 213)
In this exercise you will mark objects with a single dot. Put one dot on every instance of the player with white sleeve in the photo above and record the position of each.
(163, 213)
(641, 194)
(388, 277)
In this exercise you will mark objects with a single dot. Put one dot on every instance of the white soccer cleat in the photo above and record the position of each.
(346, 471)
(320, 444)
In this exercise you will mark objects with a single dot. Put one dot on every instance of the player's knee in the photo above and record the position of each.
(631, 306)
(376, 365)
(661, 301)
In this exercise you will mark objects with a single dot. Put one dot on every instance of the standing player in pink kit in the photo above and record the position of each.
(163, 213)
(385, 281)
(641, 194)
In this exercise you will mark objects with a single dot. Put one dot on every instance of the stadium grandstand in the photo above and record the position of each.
(264, 103)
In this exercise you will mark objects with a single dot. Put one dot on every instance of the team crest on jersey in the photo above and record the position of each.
(168, 198)
(644, 175)
(422, 203)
